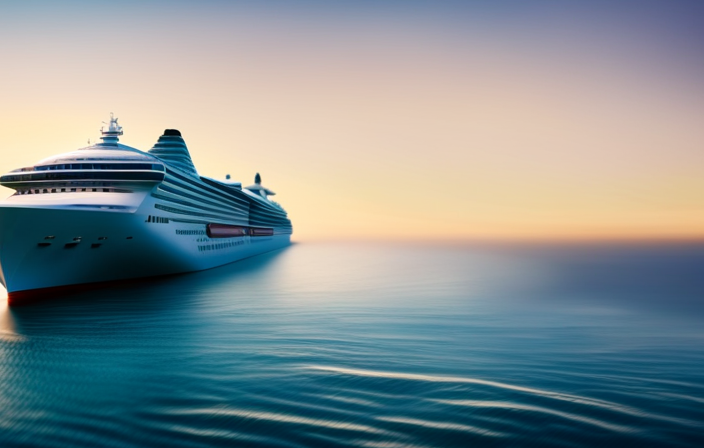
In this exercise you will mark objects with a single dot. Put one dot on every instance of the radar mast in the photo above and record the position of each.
(110, 136)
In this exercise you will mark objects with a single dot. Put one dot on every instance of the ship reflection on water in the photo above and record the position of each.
(371, 345)
(118, 303)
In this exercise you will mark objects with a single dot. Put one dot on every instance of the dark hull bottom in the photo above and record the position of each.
(44, 295)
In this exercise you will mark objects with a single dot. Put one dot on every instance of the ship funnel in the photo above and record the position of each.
(172, 149)
(258, 188)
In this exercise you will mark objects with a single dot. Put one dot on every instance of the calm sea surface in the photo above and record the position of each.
(370, 345)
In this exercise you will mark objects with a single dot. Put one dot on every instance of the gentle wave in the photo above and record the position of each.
(523, 407)
(451, 379)
(584, 417)
(289, 418)
(442, 425)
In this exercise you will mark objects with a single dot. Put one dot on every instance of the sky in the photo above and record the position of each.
(401, 120)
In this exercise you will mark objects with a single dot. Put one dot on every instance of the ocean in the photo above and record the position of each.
(371, 345)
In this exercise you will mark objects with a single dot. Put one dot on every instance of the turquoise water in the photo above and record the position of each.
(365, 345)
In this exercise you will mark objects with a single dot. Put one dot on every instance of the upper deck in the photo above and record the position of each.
(105, 166)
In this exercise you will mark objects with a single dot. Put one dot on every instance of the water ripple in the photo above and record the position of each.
(451, 379)
(363, 346)
(442, 425)
(523, 407)
(289, 418)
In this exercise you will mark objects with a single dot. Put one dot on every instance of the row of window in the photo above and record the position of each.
(189, 232)
(90, 166)
(219, 246)
(158, 219)
(70, 190)
(79, 175)
(100, 166)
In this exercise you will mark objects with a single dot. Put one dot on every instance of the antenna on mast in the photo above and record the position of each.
(110, 136)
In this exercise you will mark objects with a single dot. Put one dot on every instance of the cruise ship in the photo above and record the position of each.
(109, 212)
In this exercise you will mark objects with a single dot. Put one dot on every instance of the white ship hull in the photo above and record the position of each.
(29, 263)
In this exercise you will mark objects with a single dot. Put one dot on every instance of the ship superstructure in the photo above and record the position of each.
(110, 212)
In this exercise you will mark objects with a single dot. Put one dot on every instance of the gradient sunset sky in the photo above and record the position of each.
(389, 119)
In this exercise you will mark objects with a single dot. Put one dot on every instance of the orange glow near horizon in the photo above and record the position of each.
(415, 129)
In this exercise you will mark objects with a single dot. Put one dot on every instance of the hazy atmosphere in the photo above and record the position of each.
(387, 120)
(497, 214)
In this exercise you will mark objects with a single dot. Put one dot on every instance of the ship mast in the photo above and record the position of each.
(110, 136)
